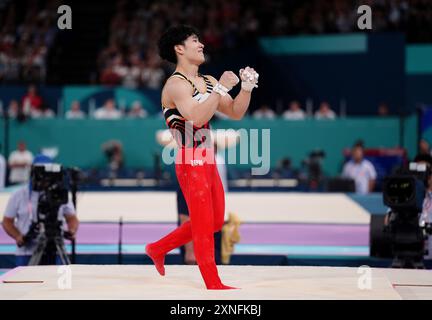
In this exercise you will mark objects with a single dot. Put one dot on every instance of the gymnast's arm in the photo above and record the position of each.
(180, 93)
(234, 108)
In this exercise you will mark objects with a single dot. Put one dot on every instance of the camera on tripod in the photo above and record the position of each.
(404, 193)
(313, 166)
(53, 184)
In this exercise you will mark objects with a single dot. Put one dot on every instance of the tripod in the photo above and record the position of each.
(408, 261)
(50, 243)
(408, 250)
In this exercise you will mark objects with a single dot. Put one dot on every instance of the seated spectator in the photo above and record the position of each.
(31, 101)
(264, 112)
(131, 74)
(325, 112)
(20, 162)
(424, 147)
(284, 170)
(13, 109)
(220, 115)
(113, 150)
(43, 112)
(152, 74)
(137, 111)
(108, 111)
(75, 111)
(127, 73)
(33, 67)
(294, 112)
(360, 170)
(109, 76)
(383, 110)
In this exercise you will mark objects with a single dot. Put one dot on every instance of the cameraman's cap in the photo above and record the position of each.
(41, 159)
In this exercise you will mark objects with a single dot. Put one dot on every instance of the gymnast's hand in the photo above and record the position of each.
(249, 79)
(229, 80)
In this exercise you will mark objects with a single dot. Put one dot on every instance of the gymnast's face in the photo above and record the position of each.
(192, 50)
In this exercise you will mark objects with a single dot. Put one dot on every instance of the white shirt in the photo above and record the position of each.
(329, 115)
(264, 114)
(138, 114)
(23, 208)
(103, 113)
(361, 173)
(37, 114)
(75, 114)
(152, 78)
(426, 216)
(131, 77)
(19, 175)
(2, 172)
(294, 115)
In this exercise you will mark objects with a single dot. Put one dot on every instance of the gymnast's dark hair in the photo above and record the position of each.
(171, 37)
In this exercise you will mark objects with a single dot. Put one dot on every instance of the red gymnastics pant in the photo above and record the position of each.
(202, 188)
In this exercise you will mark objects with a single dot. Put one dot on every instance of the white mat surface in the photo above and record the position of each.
(185, 282)
(250, 207)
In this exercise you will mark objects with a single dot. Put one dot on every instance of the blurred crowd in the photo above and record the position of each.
(131, 58)
(26, 40)
(32, 105)
(295, 111)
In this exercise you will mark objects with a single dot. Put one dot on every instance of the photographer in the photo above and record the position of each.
(426, 215)
(21, 212)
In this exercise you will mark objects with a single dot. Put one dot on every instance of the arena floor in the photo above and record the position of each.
(251, 207)
(185, 283)
(273, 223)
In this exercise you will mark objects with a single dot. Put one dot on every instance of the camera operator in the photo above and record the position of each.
(21, 211)
(426, 215)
